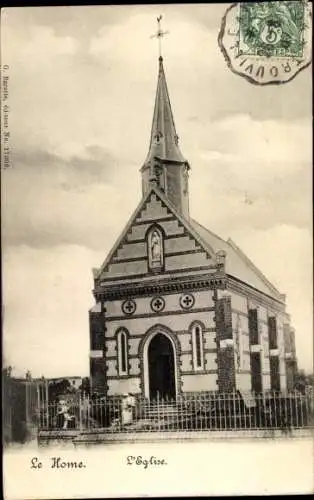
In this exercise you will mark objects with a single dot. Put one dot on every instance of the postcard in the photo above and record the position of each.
(157, 250)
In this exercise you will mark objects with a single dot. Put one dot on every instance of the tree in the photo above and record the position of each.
(57, 388)
(303, 380)
(7, 371)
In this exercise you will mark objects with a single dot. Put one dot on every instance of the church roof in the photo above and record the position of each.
(164, 138)
(238, 264)
(97, 273)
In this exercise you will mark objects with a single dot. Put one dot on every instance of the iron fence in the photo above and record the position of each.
(201, 412)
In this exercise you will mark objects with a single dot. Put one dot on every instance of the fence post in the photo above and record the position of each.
(235, 410)
(47, 403)
(26, 405)
(158, 410)
(80, 409)
(38, 405)
(88, 407)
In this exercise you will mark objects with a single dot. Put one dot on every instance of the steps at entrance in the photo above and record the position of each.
(165, 411)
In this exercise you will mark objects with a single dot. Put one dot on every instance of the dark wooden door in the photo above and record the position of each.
(161, 368)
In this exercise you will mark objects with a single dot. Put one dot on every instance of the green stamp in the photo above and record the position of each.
(272, 28)
(267, 42)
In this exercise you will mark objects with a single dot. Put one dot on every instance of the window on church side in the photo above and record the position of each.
(253, 326)
(198, 348)
(272, 332)
(122, 353)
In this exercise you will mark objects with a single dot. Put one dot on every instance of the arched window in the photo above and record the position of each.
(122, 352)
(198, 347)
(155, 248)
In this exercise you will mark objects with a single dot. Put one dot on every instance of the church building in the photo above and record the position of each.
(179, 310)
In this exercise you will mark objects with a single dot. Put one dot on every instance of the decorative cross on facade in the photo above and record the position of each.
(158, 304)
(128, 307)
(187, 301)
(159, 34)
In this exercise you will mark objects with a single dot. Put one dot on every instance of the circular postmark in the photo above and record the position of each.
(267, 42)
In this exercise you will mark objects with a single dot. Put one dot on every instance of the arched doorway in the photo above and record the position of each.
(161, 367)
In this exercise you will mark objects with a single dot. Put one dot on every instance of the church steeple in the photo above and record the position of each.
(164, 139)
(165, 165)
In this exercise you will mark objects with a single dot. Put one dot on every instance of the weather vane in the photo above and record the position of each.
(159, 34)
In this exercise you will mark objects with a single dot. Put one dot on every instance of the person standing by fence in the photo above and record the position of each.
(127, 408)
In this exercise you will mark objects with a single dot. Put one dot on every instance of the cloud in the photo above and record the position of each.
(39, 48)
(277, 141)
(74, 21)
(139, 29)
(47, 295)
(241, 138)
(267, 162)
(94, 165)
(49, 200)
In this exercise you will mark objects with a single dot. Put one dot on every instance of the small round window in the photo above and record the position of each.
(187, 301)
(157, 304)
(128, 307)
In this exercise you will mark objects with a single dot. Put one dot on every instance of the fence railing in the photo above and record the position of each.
(201, 412)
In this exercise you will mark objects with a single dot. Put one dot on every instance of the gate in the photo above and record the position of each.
(21, 400)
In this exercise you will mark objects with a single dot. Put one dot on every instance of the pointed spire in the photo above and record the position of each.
(165, 167)
(164, 138)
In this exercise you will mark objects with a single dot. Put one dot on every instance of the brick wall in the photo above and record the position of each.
(256, 357)
(96, 329)
(256, 372)
(98, 375)
(272, 332)
(225, 355)
(292, 343)
(274, 373)
(224, 318)
(291, 363)
(226, 369)
(253, 326)
(291, 369)
(97, 342)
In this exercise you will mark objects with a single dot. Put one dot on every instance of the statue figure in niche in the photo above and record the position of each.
(156, 247)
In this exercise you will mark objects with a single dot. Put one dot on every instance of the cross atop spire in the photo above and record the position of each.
(164, 139)
(165, 166)
(159, 34)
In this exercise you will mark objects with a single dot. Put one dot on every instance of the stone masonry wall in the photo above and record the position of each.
(225, 352)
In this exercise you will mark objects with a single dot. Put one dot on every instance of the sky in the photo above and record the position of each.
(82, 83)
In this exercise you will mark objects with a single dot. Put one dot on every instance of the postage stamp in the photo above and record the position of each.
(267, 42)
